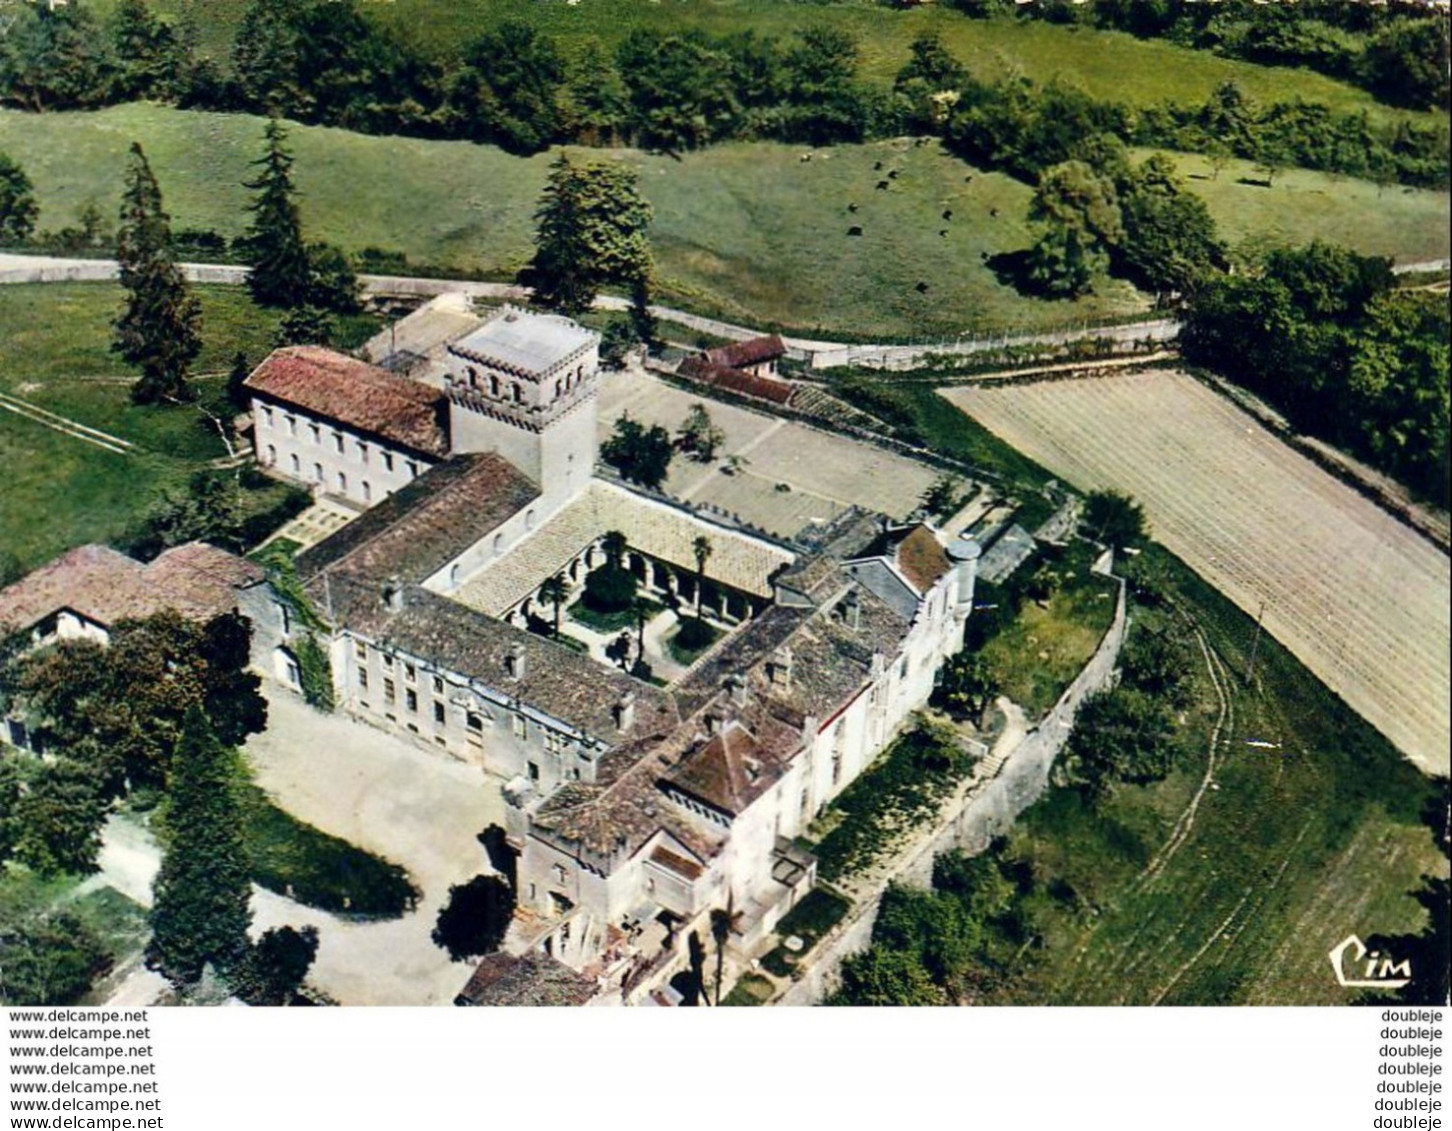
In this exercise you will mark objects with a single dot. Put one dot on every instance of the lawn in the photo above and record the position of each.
(60, 491)
(1290, 848)
(1106, 64)
(747, 230)
(753, 989)
(1037, 656)
(294, 859)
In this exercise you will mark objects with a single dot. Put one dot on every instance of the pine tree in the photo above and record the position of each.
(159, 326)
(281, 273)
(591, 230)
(201, 910)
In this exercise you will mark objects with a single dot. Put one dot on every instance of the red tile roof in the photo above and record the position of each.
(753, 351)
(735, 381)
(356, 395)
(104, 586)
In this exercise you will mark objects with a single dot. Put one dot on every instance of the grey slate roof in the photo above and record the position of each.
(417, 530)
(524, 343)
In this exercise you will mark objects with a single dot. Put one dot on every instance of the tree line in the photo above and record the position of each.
(1325, 336)
(515, 87)
(1397, 51)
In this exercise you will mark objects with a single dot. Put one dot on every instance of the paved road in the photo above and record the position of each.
(822, 354)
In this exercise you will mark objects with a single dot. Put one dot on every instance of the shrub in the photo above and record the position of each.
(609, 589)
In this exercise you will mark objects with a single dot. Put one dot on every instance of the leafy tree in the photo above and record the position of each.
(1079, 210)
(305, 326)
(158, 328)
(332, 282)
(18, 209)
(826, 105)
(508, 91)
(616, 340)
(476, 918)
(595, 102)
(11, 791)
(120, 709)
(276, 966)
(591, 226)
(610, 589)
(724, 920)
(145, 53)
(54, 57)
(282, 273)
(1122, 735)
(679, 88)
(201, 908)
(210, 510)
(978, 883)
(698, 436)
(1169, 241)
(641, 455)
(930, 73)
(267, 58)
(966, 686)
(555, 590)
(59, 818)
(701, 550)
(1406, 63)
(618, 650)
(52, 960)
(882, 976)
(1113, 518)
(1158, 663)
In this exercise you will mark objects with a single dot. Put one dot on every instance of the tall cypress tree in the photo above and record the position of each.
(202, 893)
(159, 327)
(281, 272)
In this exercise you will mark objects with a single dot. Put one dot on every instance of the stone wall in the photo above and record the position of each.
(982, 814)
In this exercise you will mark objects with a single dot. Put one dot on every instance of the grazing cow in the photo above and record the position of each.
(921, 288)
(993, 212)
(943, 232)
(855, 230)
(968, 180)
(852, 207)
(876, 166)
(882, 186)
(892, 174)
(947, 214)
(806, 157)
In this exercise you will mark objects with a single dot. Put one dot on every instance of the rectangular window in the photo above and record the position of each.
(533, 768)
(410, 673)
(410, 699)
(475, 726)
(521, 728)
(360, 650)
(387, 461)
(438, 713)
(387, 660)
(388, 691)
(438, 685)
(363, 678)
(285, 615)
(338, 442)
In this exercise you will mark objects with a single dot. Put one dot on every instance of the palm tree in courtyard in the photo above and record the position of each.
(701, 548)
(614, 546)
(722, 924)
(555, 590)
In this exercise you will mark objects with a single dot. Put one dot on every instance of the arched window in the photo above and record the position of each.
(559, 388)
(498, 544)
(296, 465)
(518, 393)
(529, 520)
(367, 492)
(271, 455)
(454, 574)
(493, 385)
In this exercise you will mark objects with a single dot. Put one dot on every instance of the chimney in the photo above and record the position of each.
(740, 691)
(393, 595)
(624, 712)
(713, 723)
(514, 665)
(852, 611)
(781, 667)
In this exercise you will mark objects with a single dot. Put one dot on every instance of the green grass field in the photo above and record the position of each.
(748, 231)
(1290, 849)
(60, 491)
(1106, 64)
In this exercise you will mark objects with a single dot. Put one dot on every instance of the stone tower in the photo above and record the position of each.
(524, 385)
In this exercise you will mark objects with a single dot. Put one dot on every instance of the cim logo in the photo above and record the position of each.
(1375, 970)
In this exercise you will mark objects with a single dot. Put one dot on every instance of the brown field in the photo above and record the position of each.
(824, 473)
(1359, 598)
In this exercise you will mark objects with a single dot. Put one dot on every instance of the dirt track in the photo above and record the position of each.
(1359, 598)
